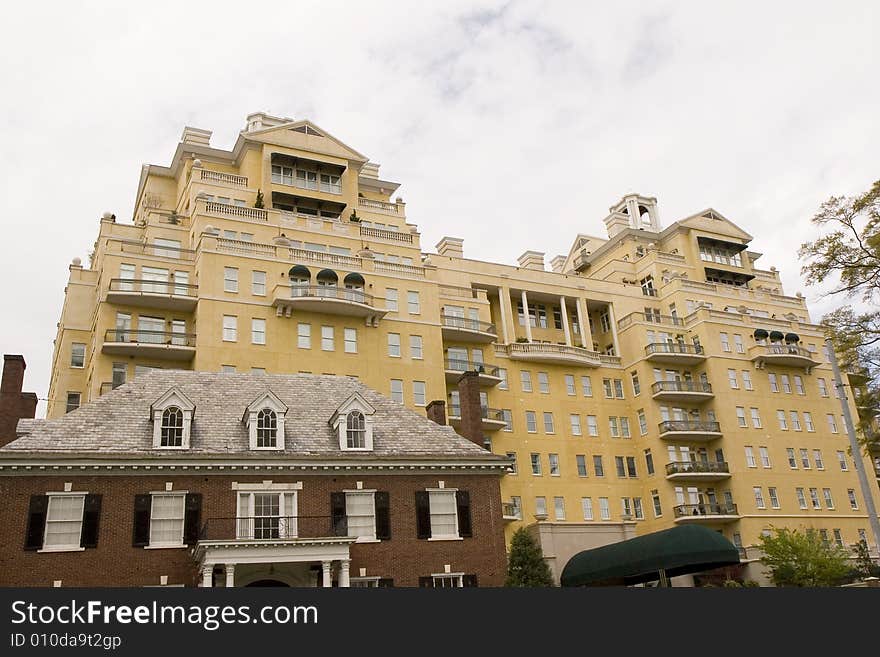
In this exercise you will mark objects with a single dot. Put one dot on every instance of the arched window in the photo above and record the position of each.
(172, 427)
(354, 287)
(327, 283)
(356, 431)
(300, 277)
(267, 428)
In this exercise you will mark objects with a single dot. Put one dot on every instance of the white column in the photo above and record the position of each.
(507, 314)
(230, 575)
(207, 576)
(526, 316)
(501, 311)
(613, 329)
(326, 582)
(344, 566)
(565, 328)
(584, 324)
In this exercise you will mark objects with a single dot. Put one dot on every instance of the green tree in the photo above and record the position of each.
(864, 563)
(526, 565)
(797, 558)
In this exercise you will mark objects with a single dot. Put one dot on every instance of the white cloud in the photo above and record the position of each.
(513, 125)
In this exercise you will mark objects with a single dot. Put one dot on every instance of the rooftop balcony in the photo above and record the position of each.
(162, 345)
(706, 513)
(545, 352)
(690, 430)
(382, 207)
(153, 294)
(677, 353)
(464, 329)
(782, 355)
(682, 391)
(327, 299)
(493, 418)
(697, 470)
(487, 375)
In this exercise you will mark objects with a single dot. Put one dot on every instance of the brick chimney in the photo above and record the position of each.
(436, 411)
(14, 404)
(471, 426)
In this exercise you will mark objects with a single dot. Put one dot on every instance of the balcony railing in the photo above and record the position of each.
(650, 318)
(649, 291)
(272, 528)
(153, 287)
(556, 352)
(486, 413)
(378, 205)
(784, 350)
(673, 348)
(456, 365)
(355, 295)
(453, 321)
(391, 235)
(698, 426)
(681, 386)
(399, 268)
(511, 511)
(240, 211)
(225, 178)
(136, 247)
(697, 467)
(151, 337)
(716, 509)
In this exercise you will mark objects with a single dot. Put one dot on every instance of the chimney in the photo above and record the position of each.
(452, 247)
(558, 263)
(471, 410)
(370, 170)
(196, 136)
(436, 411)
(14, 404)
(531, 260)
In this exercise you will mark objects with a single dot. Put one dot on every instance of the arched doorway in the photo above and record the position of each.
(267, 582)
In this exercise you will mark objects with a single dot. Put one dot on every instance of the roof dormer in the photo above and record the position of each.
(172, 416)
(353, 424)
(265, 421)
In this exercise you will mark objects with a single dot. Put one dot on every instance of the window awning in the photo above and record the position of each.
(677, 551)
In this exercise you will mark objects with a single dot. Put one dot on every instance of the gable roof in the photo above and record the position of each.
(319, 141)
(117, 424)
(173, 393)
(712, 221)
(356, 401)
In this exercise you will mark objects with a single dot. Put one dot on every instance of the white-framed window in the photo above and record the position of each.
(823, 387)
(604, 509)
(304, 336)
(543, 382)
(587, 507)
(444, 514)
(832, 423)
(258, 331)
(774, 497)
(756, 418)
(73, 401)
(853, 502)
(575, 424)
(267, 428)
(77, 355)
(643, 422)
(419, 394)
(741, 416)
(64, 516)
(750, 457)
(553, 460)
(774, 383)
(608, 388)
(394, 345)
(502, 374)
(786, 383)
(327, 340)
(267, 511)
(587, 386)
(841, 459)
(329, 182)
(351, 340)
(397, 390)
(535, 460)
(795, 420)
(230, 279)
(166, 519)
(227, 369)
(598, 466)
(507, 417)
(829, 499)
(805, 458)
(731, 378)
(759, 497)
(525, 379)
(569, 384)
(592, 425)
(814, 498)
(413, 306)
(581, 462)
(799, 385)
(792, 459)
(618, 388)
(415, 347)
(817, 459)
(360, 513)
(258, 283)
(541, 506)
(801, 498)
(230, 328)
(172, 427)
(738, 343)
(559, 508)
(548, 423)
(808, 421)
(636, 384)
(531, 422)
(783, 423)
(747, 380)
(725, 341)
(765, 457)
(613, 427)
(391, 299)
(355, 430)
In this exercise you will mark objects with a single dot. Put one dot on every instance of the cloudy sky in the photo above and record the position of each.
(513, 125)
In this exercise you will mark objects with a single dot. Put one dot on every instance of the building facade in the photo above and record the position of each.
(186, 478)
(652, 377)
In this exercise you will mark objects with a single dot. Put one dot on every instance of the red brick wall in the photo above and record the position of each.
(14, 404)
(115, 562)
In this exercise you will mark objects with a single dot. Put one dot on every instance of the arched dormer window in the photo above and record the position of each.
(267, 428)
(355, 431)
(172, 427)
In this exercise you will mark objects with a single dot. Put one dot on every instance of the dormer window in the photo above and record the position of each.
(172, 416)
(356, 432)
(265, 421)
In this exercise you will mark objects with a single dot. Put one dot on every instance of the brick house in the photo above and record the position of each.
(192, 478)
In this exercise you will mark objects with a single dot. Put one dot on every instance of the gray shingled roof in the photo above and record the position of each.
(118, 423)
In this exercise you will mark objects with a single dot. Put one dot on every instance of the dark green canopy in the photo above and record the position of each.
(677, 551)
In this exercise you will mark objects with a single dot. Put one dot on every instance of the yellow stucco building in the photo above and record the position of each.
(652, 377)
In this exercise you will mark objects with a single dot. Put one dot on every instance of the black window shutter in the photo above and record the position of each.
(192, 519)
(463, 500)
(141, 531)
(36, 526)
(386, 583)
(426, 582)
(423, 515)
(383, 516)
(337, 514)
(91, 522)
(469, 580)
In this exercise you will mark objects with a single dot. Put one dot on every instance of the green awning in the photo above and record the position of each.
(677, 551)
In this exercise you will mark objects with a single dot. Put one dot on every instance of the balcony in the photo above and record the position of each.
(784, 355)
(162, 345)
(272, 528)
(464, 329)
(705, 513)
(386, 235)
(493, 418)
(693, 430)
(380, 206)
(545, 352)
(510, 511)
(697, 470)
(153, 294)
(327, 299)
(682, 391)
(229, 179)
(486, 374)
(237, 211)
(677, 353)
